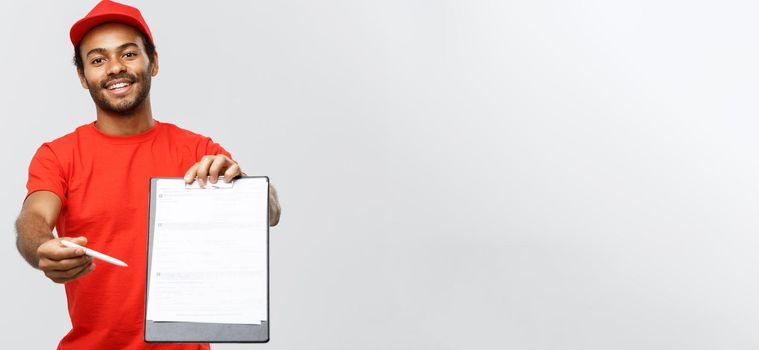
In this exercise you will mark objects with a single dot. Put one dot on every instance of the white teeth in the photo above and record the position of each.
(116, 86)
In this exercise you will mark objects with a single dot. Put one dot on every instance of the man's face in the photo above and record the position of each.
(117, 71)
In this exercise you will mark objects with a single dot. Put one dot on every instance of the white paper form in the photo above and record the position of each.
(209, 253)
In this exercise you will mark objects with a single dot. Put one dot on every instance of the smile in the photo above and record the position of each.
(119, 87)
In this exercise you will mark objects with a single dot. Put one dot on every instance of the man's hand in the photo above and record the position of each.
(63, 264)
(213, 166)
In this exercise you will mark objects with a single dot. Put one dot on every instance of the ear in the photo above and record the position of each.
(82, 79)
(154, 64)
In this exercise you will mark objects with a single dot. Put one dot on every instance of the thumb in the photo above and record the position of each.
(81, 240)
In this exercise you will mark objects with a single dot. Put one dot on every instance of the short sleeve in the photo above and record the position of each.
(213, 148)
(46, 173)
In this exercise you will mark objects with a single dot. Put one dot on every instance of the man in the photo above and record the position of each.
(92, 185)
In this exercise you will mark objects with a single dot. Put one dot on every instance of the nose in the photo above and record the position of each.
(116, 67)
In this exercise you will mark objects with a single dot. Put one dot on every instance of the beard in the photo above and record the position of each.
(125, 105)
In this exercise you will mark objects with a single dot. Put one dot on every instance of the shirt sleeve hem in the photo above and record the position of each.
(56, 192)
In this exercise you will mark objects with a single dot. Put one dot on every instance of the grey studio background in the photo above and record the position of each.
(453, 174)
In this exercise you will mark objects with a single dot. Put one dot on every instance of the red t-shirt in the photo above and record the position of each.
(103, 182)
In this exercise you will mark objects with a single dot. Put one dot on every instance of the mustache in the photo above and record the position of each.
(126, 76)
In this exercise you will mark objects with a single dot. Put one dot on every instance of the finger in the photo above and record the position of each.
(88, 269)
(81, 240)
(203, 166)
(59, 277)
(189, 176)
(219, 163)
(67, 264)
(56, 251)
(232, 172)
(65, 276)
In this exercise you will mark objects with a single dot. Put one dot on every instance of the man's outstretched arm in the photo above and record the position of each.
(35, 241)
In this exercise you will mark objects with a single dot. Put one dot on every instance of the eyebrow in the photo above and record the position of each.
(101, 50)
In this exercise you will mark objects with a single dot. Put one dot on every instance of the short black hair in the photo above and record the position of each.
(149, 49)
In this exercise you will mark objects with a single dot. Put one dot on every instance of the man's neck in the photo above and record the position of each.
(139, 121)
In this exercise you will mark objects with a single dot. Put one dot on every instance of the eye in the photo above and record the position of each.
(97, 60)
(130, 54)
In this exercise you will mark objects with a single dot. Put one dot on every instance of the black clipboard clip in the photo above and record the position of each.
(219, 185)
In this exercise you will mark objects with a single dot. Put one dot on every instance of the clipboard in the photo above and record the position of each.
(201, 332)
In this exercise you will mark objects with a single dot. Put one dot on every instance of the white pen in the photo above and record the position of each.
(94, 254)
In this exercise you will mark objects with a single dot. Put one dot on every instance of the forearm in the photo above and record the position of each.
(31, 231)
(275, 210)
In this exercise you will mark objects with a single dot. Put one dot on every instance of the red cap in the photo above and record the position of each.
(109, 11)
